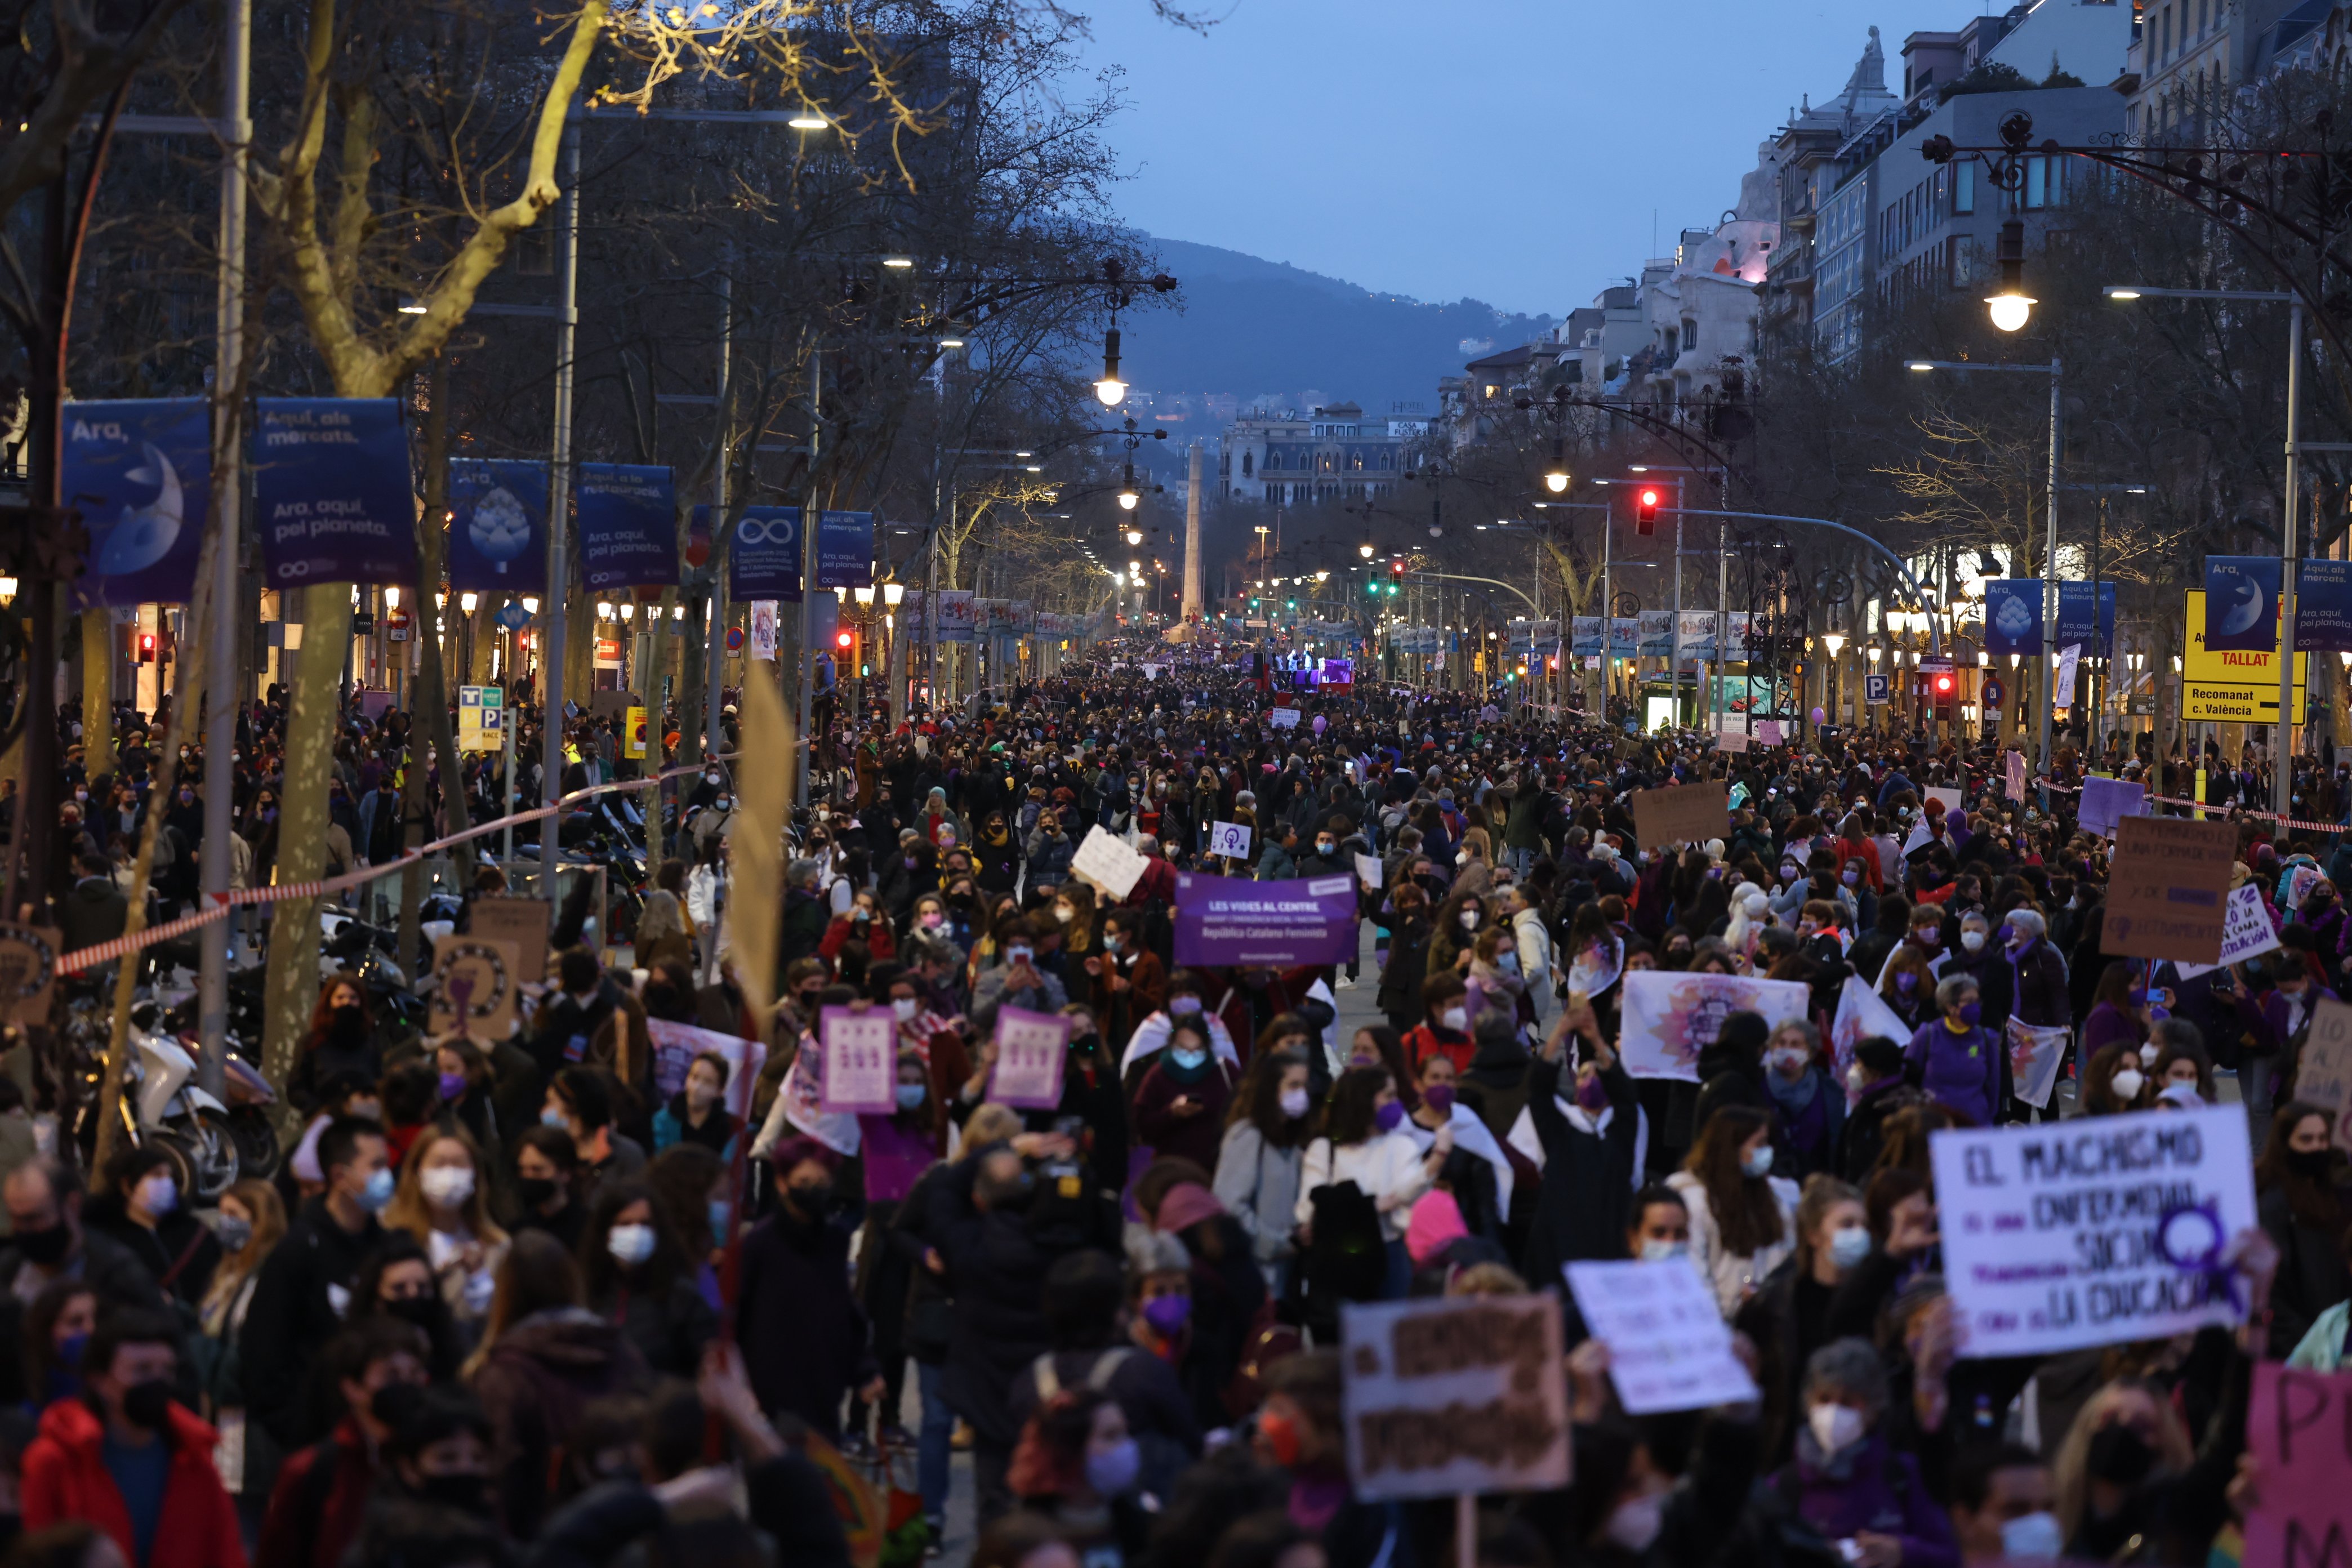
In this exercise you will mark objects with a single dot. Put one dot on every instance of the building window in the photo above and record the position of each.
(2163, 33)
(1964, 189)
(1964, 259)
(1245, 465)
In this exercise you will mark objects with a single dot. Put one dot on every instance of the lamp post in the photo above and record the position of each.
(2281, 780)
(2056, 371)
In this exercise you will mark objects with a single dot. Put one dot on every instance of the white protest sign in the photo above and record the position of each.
(1859, 1014)
(860, 1071)
(1448, 1396)
(1105, 861)
(1367, 870)
(2246, 930)
(2035, 1053)
(1950, 797)
(1230, 838)
(1669, 1348)
(1670, 1016)
(1030, 1051)
(1284, 717)
(2093, 1231)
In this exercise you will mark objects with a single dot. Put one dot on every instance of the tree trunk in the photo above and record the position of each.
(292, 982)
(97, 690)
(428, 700)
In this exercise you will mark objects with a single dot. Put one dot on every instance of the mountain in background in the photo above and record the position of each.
(1264, 333)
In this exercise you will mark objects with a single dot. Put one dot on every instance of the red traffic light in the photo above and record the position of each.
(1645, 508)
(844, 640)
(146, 647)
(1943, 686)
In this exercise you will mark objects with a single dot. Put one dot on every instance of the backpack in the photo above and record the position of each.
(1347, 1258)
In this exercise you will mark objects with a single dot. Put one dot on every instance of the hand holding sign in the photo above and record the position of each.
(1030, 1050)
(861, 1060)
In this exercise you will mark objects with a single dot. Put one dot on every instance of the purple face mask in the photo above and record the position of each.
(1906, 983)
(453, 1085)
(1387, 1116)
(1592, 1094)
(1439, 1097)
(1167, 1314)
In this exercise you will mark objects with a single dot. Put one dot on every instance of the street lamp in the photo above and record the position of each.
(1110, 390)
(467, 600)
(1556, 482)
(1134, 536)
(893, 593)
(808, 117)
(2011, 305)
(1365, 550)
(530, 604)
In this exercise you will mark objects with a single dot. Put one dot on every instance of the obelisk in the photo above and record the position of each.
(1194, 607)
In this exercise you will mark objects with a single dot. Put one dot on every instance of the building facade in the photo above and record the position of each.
(1334, 453)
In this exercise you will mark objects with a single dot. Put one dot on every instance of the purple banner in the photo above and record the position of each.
(1224, 920)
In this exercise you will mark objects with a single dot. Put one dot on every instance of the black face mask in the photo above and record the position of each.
(535, 1190)
(347, 1022)
(811, 1199)
(46, 1248)
(148, 1404)
(2120, 1455)
(426, 1311)
(2312, 1164)
(465, 1492)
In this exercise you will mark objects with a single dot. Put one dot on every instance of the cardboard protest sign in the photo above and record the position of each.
(860, 1071)
(2034, 1057)
(1307, 920)
(1445, 1396)
(2299, 1427)
(2106, 802)
(2095, 1231)
(1686, 814)
(1670, 1016)
(28, 972)
(1030, 1050)
(2246, 931)
(1106, 862)
(2167, 886)
(1669, 1348)
(2322, 1074)
(1731, 740)
(474, 987)
(676, 1044)
(1230, 838)
(522, 921)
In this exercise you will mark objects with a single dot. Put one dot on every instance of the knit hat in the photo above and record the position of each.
(1436, 1225)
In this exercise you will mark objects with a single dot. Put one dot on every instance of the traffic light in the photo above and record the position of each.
(146, 647)
(1645, 511)
(1944, 687)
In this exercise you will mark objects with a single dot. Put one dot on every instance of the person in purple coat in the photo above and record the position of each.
(1848, 1482)
(1954, 1057)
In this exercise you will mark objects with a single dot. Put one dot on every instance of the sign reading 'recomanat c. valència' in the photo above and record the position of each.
(331, 490)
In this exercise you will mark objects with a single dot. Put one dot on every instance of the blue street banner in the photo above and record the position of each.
(628, 527)
(763, 555)
(332, 499)
(2241, 594)
(844, 550)
(141, 473)
(2323, 607)
(2014, 614)
(498, 536)
(1587, 640)
(2074, 618)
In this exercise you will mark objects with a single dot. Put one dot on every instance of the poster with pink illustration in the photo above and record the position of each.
(1671, 1017)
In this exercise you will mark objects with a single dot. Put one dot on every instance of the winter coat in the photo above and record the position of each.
(805, 1337)
(1870, 1486)
(1588, 1173)
(1961, 1072)
(294, 1314)
(534, 1382)
(1732, 1275)
(1258, 1184)
(66, 1478)
(2041, 997)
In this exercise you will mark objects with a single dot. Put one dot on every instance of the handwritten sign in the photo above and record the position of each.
(2300, 1429)
(476, 983)
(1686, 814)
(1669, 1348)
(2246, 931)
(860, 1071)
(28, 972)
(2167, 886)
(1030, 1050)
(1451, 1396)
(676, 1044)
(2095, 1231)
(522, 921)
(2323, 1072)
(1230, 838)
(1104, 860)
(1670, 1016)
(1284, 717)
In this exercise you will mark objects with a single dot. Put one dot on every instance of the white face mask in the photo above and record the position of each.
(1456, 1018)
(1294, 1102)
(906, 1007)
(2033, 1538)
(630, 1243)
(1856, 1078)
(1469, 920)
(1835, 1426)
(1658, 1251)
(1972, 940)
(2128, 1084)
(446, 1186)
(1636, 1521)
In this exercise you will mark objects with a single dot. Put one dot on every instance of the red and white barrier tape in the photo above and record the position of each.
(2232, 812)
(221, 903)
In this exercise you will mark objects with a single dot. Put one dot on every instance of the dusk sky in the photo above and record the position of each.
(1513, 150)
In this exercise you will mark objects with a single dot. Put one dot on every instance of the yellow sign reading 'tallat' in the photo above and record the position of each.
(2241, 686)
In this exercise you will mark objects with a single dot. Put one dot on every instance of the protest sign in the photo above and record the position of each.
(522, 921)
(1729, 739)
(29, 970)
(2064, 1235)
(1768, 731)
(140, 471)
(474, 987)
(1284, 717)
(1859, 1014)
(1451, 1396)
(1221, 920)
(1670, 1016)
(861, 1060)
(2246, 931)
(2070, 663)
(676, 1044)
(1030, 1050)
(2167, 886)
(2033, 1056)
(2299, 1430)
(1230, 838)
(1950, 797)
(1686, 814)
(1367, 870)
(2106, 802)
(2323, 1072)
(2013, 772)
(1596, 969)
(760, 615)
(1669, 1348)
(1106, 862)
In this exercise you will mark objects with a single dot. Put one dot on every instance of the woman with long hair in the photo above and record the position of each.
(2303, 1192)
(2114, 1082)
(1262, 1154)
(2117, 1472)
(1908, 986)
(1742, 1217)
(339, 1044)
(634, 1272)
(443, 1201)
(1362, 1146)
(2118, 1015)
(1459, 920)
(1076, 1465)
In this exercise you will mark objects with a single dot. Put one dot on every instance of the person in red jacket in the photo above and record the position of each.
(129, 1459)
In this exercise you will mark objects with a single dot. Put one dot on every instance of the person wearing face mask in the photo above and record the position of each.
(1261, 1155)
(1077, 1465)
(2271, 1022)
(1444, 1029)
(697, 1113)
(2127, 1467)
(1847, 1482)
(1879, 1090)
(1126, 980)
(1742, 1217)
(252, 1220)
(340, 1043)
(2002, 1508)
(140, 1207)
(1584, 1122)
(1363, 1147)
(129, 1460)
(1186, 989)
(1018, 982)
(1179, 1105)
(306, 1285)
(804, 1336)
(579, 1101)
(634, 1275)
(1812, 1108)
(322, 1492)
(1953, 1056)
(2114, 1081)
(2303, 1197)
(1788, 1318)
(441, 1202)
